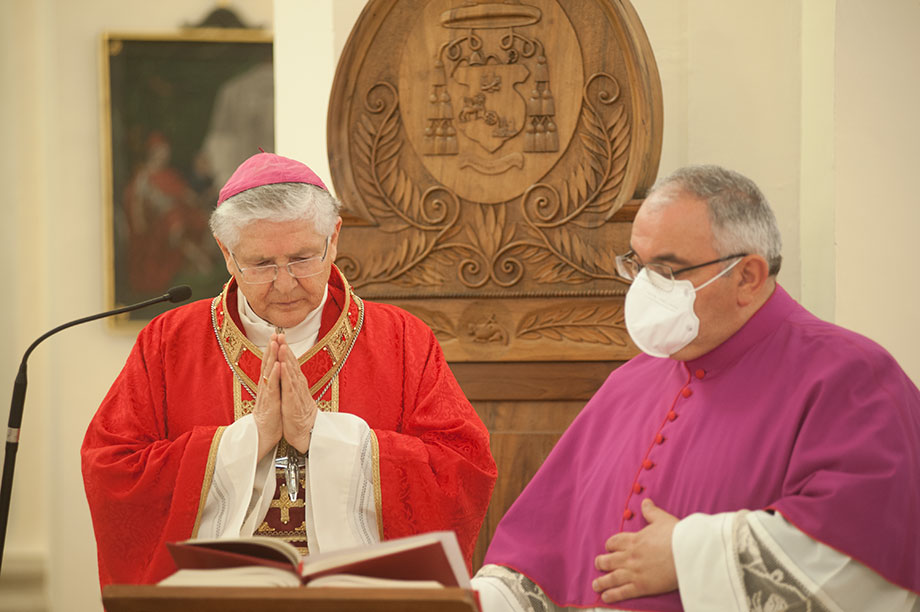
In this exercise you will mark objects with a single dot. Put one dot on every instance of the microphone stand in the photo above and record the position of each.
(176, 294)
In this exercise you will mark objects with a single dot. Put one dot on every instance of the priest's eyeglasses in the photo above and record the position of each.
(661, 275)
(299, 268)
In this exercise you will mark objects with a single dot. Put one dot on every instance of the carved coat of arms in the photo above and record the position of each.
(488, 96)
(484, 150)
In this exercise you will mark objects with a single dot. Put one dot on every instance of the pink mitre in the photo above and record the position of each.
(267, 169)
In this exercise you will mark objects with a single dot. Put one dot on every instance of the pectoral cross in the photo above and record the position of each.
(284, 503)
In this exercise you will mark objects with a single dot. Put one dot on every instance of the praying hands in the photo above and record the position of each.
(284, 406)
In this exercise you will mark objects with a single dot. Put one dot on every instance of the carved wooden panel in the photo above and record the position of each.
(489, 155)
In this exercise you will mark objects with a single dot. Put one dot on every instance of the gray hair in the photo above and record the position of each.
(277, 202)
(739, 215)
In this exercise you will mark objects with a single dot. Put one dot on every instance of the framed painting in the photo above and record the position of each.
(181, 112)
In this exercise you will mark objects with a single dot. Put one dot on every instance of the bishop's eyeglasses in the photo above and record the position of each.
(661, 275)
(299, 268)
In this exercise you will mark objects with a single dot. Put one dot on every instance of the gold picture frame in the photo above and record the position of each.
(180, 112)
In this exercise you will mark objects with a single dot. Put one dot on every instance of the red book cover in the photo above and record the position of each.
(431, 556)
(213, 554)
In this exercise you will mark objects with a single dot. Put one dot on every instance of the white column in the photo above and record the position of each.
(309, 37)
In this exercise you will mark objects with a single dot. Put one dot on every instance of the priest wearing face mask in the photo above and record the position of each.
(754, 457)
(285, 407)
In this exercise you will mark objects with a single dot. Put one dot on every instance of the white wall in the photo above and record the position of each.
(22, 245)
(743, 102)
(877, 153)
(814, 100)
(309, 38)
(52, 249)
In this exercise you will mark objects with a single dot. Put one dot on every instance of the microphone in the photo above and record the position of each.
(174, 295)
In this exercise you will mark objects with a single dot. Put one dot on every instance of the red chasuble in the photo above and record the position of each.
(148, 454)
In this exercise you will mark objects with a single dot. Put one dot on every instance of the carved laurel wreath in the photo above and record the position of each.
(547, 218)
(589, 323)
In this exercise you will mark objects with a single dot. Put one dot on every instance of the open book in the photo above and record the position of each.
(425, 560)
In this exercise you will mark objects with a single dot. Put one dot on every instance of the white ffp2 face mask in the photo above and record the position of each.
(659, 321)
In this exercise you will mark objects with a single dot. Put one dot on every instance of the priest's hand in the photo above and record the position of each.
(639, 563)
(298, 408)
(267, 411)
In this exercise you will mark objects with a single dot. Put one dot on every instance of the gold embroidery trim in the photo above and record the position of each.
(208, 477)
(378, 499)
(241, 407)
(341, 334)
(332, 404)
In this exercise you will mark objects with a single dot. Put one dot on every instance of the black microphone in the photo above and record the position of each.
(174, 295)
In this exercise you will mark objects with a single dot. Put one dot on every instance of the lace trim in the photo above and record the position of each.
(528, 595)
(768, 583)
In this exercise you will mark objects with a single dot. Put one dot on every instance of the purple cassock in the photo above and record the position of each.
(790, 414)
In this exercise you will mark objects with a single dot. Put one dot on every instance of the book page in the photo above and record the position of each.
(245, 576)
(428, 556)
(316, 563)
(351, 580)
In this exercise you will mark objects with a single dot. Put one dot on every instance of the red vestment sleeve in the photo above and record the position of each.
(143, 482)
(436, 469)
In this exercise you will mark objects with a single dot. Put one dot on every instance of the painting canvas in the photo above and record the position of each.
(181, 113)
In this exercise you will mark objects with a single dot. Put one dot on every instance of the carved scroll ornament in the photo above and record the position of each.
(485, 153)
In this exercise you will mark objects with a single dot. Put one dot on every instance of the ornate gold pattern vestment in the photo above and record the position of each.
(321, 364)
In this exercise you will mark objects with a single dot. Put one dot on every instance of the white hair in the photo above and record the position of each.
(277, 202)
(739, 215)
